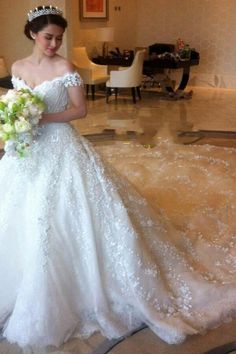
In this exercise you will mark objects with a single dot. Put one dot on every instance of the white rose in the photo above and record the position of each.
(4, 99)
(25, 112)
(22, 126)
(33, 110)
(25, 95)
(8, 128)
(11, 95)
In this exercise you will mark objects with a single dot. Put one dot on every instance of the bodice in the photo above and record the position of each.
(53, 92)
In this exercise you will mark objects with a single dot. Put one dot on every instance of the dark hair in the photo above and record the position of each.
(38, 23)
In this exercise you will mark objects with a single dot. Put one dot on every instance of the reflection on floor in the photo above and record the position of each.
(154, 117)
(183, 121)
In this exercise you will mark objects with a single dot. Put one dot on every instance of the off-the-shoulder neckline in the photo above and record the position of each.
(61, 77)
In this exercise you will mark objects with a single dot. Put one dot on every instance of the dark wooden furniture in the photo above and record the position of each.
(151, 64)
(119, 61)
(154, 64)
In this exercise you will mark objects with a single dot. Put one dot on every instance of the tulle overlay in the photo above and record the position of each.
(83, 251)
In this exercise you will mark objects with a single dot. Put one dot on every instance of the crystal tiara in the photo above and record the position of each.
(44, 11)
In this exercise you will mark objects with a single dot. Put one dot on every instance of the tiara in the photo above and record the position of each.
(44, 11)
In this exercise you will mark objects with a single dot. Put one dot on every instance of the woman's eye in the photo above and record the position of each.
(50, 38)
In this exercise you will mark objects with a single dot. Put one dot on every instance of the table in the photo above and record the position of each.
(119, 61)
(154, 64)
(151, 65)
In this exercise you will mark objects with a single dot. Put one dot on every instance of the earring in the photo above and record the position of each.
(33, 37)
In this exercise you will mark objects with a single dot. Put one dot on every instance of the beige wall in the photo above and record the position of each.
(13, 43)
(124, 22)
(207, 25)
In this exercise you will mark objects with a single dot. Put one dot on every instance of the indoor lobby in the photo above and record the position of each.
(138, 139)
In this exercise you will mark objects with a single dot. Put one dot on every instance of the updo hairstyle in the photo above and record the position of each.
(38, 23)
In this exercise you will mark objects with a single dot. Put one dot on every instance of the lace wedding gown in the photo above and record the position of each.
(82, 251)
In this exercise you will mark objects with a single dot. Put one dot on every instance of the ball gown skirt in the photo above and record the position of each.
(83, 251)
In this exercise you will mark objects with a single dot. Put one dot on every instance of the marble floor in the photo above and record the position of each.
(208, 117)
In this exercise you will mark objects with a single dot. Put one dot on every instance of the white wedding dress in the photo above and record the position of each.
(82, 251)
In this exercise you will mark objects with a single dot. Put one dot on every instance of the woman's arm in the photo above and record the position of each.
(77, 108)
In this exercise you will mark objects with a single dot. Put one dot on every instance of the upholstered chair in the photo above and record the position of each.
(130, 77)
(91, 73)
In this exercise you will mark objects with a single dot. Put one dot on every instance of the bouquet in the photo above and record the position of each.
(20, 112)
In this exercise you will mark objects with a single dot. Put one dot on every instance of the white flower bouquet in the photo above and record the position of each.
(20, 112)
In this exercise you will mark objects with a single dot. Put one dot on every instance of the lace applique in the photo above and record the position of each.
(95, 254)
(72, 79)
(54, 92)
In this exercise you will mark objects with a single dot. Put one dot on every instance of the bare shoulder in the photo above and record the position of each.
(64, 66)
(18, 67)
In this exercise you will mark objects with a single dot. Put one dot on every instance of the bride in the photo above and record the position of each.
(81, 249)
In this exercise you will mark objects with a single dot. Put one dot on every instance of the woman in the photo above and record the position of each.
(82, 250)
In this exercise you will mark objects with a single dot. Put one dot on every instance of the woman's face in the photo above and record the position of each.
(49, 39)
